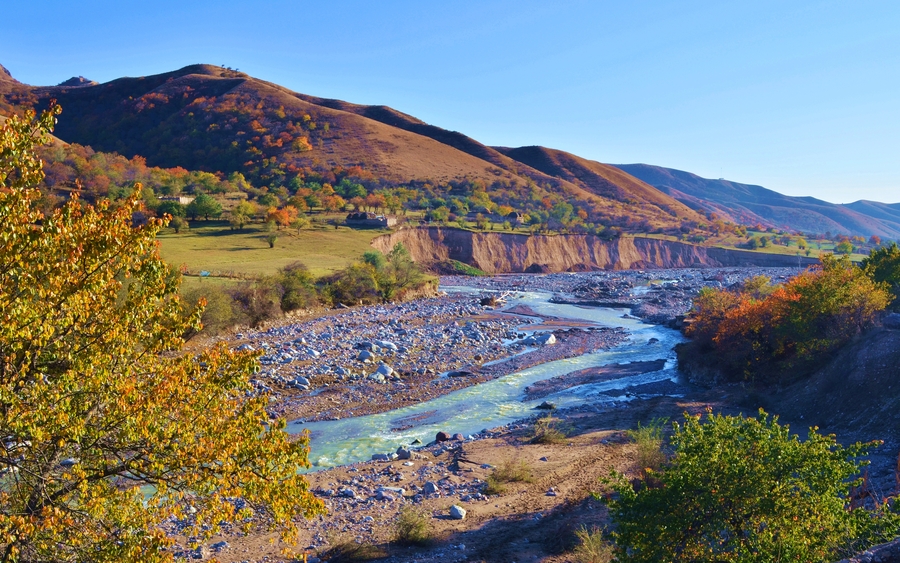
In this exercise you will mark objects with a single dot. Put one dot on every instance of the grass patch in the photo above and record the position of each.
(509, 472)
(649, 440)
(213, 247)
(550, 430)
(413, 527)
(592, 547)
(455, 267)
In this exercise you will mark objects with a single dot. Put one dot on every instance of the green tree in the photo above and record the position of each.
(204, 206)
(746, 490)
(844, 247)
(883, 265)
(173, 208)
(109, 427)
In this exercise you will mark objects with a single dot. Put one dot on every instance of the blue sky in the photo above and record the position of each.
(802, 97)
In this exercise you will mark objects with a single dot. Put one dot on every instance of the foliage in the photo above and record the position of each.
(376, 278)
(649, 440)
(298, 289)
(550, 430)
(412, 527)
(349, 551)
(593, 547)
(745, 489)
(509, 472)
(97, 400)
(768, 335)
(883, 266)
(204, 206)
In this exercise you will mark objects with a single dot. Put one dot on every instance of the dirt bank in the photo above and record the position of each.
(512, 253)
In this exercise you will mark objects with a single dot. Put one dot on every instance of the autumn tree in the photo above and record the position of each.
(109, 428)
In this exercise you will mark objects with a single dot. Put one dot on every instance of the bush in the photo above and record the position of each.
(412, 527)
(297, 287)
(650, 456)
(592, 547)
(745, 489)
(509, 472)
(549, 430)
(770, 335)
(350, 552)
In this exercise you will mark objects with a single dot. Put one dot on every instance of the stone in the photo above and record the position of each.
(365, 356)
(380, 457)
(403, 453)
(430, 488)
(459, 437)
(377, 377)
(219, 546)
(546, 406)
(442, 437)
(385, 370)
(457, 512)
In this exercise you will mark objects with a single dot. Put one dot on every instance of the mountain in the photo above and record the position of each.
(749, 204)
(204, 117)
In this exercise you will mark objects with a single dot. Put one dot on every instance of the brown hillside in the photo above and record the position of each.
(600, 179)
(215, 119)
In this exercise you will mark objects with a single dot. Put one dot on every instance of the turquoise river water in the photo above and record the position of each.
(497, 402)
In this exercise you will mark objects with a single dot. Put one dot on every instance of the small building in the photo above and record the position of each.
(368, 219)
(182, 199)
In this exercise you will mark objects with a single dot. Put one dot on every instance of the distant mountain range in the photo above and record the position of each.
(749, 204)
(211, 118)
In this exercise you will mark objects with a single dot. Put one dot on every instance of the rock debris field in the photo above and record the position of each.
(371, 359)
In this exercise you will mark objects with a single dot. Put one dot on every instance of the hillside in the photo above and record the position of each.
(749, 204)
(214, 119)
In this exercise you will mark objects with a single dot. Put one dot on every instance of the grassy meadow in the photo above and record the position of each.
(213, 247)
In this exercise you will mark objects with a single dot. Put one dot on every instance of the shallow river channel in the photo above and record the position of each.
(497, 402)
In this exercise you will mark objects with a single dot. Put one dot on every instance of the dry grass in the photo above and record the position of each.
(550, 430)
(592, 547)
(649, 440)
(413, 527)
(509, 472)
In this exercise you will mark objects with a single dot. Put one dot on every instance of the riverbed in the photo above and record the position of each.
(498, 402)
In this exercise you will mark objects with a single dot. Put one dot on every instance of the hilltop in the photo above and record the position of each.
(214, 119)
(749, 204)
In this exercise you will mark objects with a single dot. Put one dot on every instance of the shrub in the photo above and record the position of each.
(745, 489)
(592, 547)
(350, 552)
(297, 287)
(412, 527)
(649, 442)
(550, 430)
(768, 335)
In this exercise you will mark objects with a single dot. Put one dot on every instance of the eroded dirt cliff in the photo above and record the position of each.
(497, 253)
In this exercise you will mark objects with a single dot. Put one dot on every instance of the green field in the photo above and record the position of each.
(213, 247)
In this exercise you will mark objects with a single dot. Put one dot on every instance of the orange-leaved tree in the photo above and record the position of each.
(107, 428)
(770, 334)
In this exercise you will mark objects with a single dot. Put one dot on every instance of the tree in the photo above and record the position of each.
(844, 247)
(204, 206)
(173, 208)
(109, 428)
(746, 490)
(883, 266)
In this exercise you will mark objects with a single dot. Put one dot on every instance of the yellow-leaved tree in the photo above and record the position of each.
(107, 428)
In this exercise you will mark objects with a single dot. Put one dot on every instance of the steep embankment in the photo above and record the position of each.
(506, 252)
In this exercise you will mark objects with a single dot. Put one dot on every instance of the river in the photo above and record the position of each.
(497, 402)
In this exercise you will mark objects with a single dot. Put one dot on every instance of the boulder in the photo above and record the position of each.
(365, 356)
(430, 488)
(442, 437)
(457, 512)
(385, 370)
(403, 453)
(546, 406)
